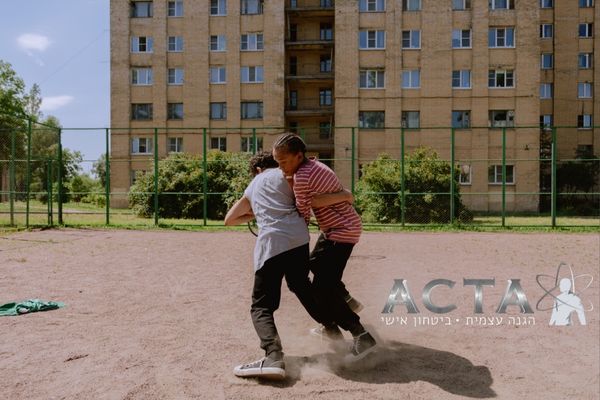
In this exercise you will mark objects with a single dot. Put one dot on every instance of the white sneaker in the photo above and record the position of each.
(263, 368)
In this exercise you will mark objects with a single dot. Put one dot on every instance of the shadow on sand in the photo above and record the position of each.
(396, 362)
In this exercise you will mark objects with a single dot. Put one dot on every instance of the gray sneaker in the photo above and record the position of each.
(363, 344)
(327, 334)
(266, 368)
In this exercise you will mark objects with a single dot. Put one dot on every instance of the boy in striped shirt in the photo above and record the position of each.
(340, 227)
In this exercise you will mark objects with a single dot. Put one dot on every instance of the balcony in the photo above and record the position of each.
(310, 72)
(308, 107)
(310, 8)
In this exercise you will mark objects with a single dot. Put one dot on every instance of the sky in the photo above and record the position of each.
(64, 47)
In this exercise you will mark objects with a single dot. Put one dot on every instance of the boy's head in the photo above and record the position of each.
(289, 151)
(261, 161)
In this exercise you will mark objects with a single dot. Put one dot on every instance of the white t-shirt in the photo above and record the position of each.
(280, 227)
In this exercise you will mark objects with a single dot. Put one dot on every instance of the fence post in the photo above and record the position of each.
(155, 176)
(49, 189)
(12, 177)
(402, 183)
(50, 193)
(452, 188)
(504, 176)
(60, 178)
(254, 143)
(107, 178)
(28, 172)
(554, 194)
(205, 174)
(353, 157)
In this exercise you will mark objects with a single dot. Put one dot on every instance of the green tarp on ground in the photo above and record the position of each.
(28, 306)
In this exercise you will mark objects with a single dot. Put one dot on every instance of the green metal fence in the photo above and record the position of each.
(504, 177)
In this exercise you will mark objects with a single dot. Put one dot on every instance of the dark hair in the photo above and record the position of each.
(263, 161)
(290, 143)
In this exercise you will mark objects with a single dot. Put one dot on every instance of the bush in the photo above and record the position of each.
(427, 178)
(180, 185)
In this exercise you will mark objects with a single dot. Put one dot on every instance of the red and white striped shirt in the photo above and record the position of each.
(339, 222)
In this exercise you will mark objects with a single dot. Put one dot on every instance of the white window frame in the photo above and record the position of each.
(497, 173)
(249, 72)
(411, 5)
(411, 38)
(546, 3)
(245, 7)
(371, 5)
(463, 75)
(546, 90)
(136, 44)
(175, 44)
(246, 144)
(136, 144)
(509, 122)
(221, 143)
(175, 144)
(172, 117)
(252, 42)
(464, 5)
(586, 3)
(494, 5)
(175, 76)
(505, 36)
(466, 116)
(506, 73)
(150, 111)
(142, 72)
(369, 39)
(587, 121)
(584, 90)
(458, 39)
(218, 75)
(469, 174)
(175, 9)
(406, 119)
(260, 110)
(218, 8)
(547, 57)
(221, 115)
(409, 77)
(217, 43)
(362, 121)
(546, 121)
(371, 79)
(589, 30)
(149, 9)
(546, 33)
(589, 59)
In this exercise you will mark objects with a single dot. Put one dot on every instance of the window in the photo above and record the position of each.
(584, 121)
(293, 100)
(141, 112)
(502, 118)
(218, 143)
(175, 8)
(411, 119)
(461, 119)
(371, 40)
(175, 76)
(325, 65)
(461, 5)
(141, 76)
(461, 79)
(546, 90)
(465, 174)
(175, 145)
(247, 144)
(586, 3)
(502, 4)
(218, 43)
(584, 90)
(586, 30)
(250, 7)
(326, 32)
(252, 42)
(501, 78)
(372, 79)
(546, 121)
(218, 7)
(324, 130)
(141, 9)
(371, 119)
(175, 111)
(293, 65)
(252, 74)
(495, 174)
(585, 60)
(461, 38)
(326, 3)
(252, 110)
(411, 5)
(371, 5)
(501, 37)
(175, 43)
(546, 31)
(293, 32)
(411, 79)
(141, 44)
(546, 3)
(547, 61)
(135, 173)
(293, 126)
(141, 145)
(218, 75)
(411, 39)
(218, 110)
(325, 97)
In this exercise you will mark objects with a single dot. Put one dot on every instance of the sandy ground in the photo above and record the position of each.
(165, 315)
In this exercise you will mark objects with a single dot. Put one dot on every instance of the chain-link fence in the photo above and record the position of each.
(405, 176)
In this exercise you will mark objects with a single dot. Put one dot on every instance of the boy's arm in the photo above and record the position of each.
(303, 199)
(327, 199)
(240, 212)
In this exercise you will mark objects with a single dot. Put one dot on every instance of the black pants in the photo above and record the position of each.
(293, 264)
(327, 263)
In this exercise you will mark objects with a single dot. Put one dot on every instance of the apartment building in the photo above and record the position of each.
(487, 68)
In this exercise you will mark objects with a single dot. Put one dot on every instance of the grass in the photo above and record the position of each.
(91, 216)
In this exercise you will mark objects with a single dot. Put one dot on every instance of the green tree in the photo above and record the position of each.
(99, 169)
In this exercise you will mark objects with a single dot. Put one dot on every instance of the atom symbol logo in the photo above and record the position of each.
(568, 299)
